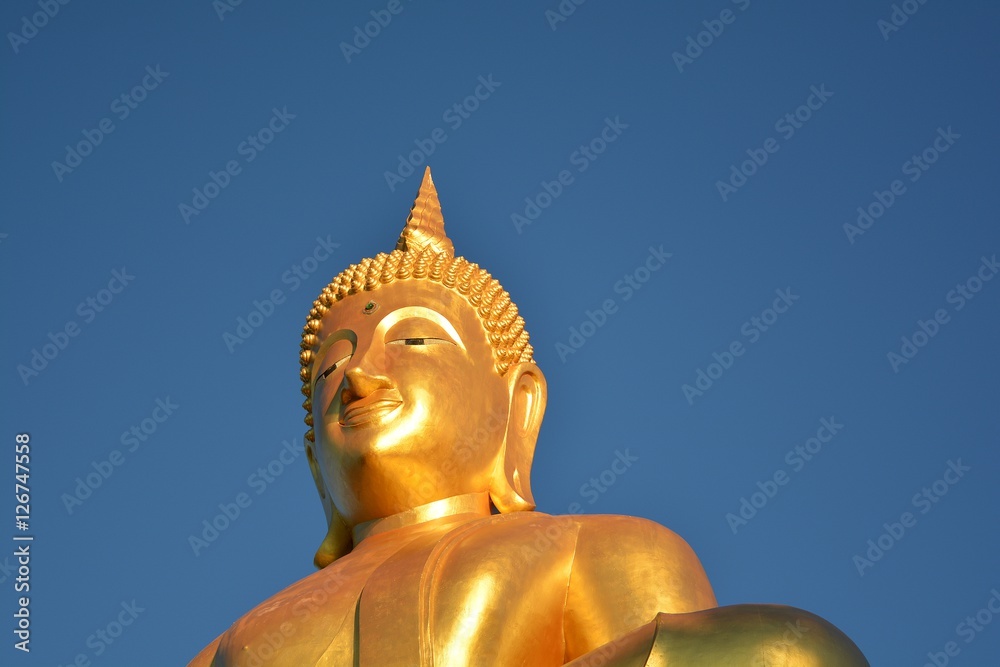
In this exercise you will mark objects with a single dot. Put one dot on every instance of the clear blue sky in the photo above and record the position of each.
(308, 129)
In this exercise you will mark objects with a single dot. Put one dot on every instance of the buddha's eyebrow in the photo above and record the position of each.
(338, 335)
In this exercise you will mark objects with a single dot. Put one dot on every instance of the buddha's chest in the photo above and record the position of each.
(487, 593)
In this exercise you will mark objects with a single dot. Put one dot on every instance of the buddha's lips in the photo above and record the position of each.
(369, 408)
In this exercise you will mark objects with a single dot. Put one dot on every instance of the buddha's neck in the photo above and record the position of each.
(470, 503)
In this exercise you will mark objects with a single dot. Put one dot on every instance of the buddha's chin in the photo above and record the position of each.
(381, 477)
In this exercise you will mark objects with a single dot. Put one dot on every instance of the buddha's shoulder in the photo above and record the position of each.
(596, 533)
(611, 557)
(600, 532)
(638, 560)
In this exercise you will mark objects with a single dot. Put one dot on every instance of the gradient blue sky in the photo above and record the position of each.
(656, 185)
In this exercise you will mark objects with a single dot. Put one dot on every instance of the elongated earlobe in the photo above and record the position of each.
(510, 489)
(338, 541)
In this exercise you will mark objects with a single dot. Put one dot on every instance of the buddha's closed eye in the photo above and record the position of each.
(419, 341)
(334, 366)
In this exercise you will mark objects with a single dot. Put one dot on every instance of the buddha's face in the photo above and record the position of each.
(402, 378)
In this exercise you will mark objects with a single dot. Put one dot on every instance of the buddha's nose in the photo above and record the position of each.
(359, 383)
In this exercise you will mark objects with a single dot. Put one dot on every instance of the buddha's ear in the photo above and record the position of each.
(338, 541)
(510, 489)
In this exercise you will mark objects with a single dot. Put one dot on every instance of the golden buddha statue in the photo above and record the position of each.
(424, 406)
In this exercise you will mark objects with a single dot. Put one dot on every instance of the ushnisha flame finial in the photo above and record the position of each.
(425, 224)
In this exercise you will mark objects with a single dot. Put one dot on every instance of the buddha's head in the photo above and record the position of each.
(419, 384)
